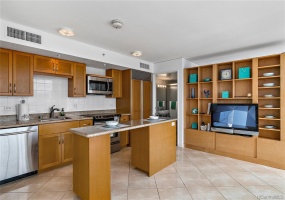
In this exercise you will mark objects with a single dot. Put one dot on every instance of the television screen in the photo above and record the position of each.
(235, 116)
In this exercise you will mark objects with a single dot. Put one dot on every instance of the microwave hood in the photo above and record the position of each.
(99, 85)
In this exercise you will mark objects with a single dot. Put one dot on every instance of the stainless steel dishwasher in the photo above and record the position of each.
(18, 153)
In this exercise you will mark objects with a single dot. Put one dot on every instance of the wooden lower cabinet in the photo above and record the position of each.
(55, 144)
(49, 151)
(86, 122)
(198, 138)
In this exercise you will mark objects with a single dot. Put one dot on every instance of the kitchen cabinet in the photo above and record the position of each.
(77, 84)
(86, 122)
(136, 99)
(124, 136)
(146, 99)
(47, 65)
(55, 144)
(16, 73)
(117, 82)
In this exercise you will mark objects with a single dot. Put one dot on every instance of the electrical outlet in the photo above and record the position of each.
(173, 124)
(8, 107)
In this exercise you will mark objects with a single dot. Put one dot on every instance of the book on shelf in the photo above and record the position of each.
(209, 108)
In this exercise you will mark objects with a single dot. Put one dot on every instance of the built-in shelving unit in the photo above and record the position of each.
(269, 146)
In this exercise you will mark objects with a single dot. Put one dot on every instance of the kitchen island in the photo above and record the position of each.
(153, 148)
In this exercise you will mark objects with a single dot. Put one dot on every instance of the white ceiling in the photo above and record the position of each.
(162, 30)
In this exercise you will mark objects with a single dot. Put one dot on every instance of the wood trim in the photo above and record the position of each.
(282, 96)
(254, 80)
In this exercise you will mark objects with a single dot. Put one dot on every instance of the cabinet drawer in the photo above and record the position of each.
(57, 127)
(124, 118)
(239, 145)
(87, 122)
(200, 138)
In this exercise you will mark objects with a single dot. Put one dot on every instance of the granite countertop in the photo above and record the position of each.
(93, 131)
(35, 122)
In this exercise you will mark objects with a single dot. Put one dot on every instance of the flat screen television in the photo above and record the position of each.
(235, 118)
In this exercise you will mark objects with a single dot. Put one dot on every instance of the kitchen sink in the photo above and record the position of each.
(163, 112)
(55, 119)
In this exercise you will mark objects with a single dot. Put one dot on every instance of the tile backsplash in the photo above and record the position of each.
(50, 90)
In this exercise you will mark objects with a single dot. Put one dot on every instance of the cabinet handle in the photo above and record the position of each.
(14, 87)
(58, 139)
(53, 66)
(10, 87)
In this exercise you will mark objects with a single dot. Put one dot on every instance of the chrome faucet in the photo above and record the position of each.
(51, 114)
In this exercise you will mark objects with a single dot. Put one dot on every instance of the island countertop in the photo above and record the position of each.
(93, 131)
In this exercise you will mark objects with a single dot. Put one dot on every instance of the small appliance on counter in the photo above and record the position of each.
(22, 111)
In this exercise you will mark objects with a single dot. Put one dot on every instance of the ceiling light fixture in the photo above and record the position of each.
(137, 53)
(117, 24)
(66, 31)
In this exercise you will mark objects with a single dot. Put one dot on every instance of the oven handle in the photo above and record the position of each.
(108, 86)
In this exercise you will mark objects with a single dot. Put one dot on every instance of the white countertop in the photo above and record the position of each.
(93, 131)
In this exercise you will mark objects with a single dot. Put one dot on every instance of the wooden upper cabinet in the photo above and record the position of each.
(117, 82)
(44, 64)
(146, 99)
(47, 65)
(5, 72)
(22, 74)
(77, 84)
(64, 67)
(136, 100)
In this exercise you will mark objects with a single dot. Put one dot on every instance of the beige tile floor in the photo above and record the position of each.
(195, 175)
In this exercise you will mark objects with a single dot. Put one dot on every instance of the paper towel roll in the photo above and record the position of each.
(23, 112)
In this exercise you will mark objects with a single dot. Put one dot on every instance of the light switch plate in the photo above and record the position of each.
(172, 123)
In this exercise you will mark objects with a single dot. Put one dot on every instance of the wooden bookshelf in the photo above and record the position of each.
(239, 90)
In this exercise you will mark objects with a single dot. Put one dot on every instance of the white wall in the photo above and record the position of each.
(64, 45)
(51, 90)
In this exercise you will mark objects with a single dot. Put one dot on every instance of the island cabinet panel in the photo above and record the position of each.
(153, 147)
(239, 145)
(91, 170)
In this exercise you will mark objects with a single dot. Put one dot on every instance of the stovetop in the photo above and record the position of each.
(101, 116)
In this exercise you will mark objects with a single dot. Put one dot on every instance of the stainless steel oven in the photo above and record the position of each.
(99, 120)
(99, 85)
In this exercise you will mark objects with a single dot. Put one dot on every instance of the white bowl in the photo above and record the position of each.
(268, 84)
(268, 95)
(269, 126)
(153, 117)
(269, 74)
(269, 116)
(268, 106)
(112, 123)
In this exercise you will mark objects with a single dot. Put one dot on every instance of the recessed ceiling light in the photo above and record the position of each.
(66, 31)
(137, 53)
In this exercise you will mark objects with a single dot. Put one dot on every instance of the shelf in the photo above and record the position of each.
(270, 119)
(269, 66)
(268, 77)
(261, 108)
(249, 98)
(220, 81)
(226, 98)
(205, 115)
(272, 87)
(243, 79)
(202, 82)
(268, 138)
(192, 114)
(269, 129)
(192, 83)
(269, 98)
(205, 98)
(192, 98)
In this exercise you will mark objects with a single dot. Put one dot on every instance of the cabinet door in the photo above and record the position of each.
(86, 122)
(23, 76)
(117, 82)
(5, 72)
(146, 99)
(44, 64)
(49, 150)
(77, 84)
(136, 100)
(64, 67)
(66, 147)
(124, 136)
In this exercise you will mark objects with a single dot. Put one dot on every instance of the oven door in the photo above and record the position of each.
(97, 85)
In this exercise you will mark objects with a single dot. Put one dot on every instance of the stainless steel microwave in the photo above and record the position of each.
(99, 85)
